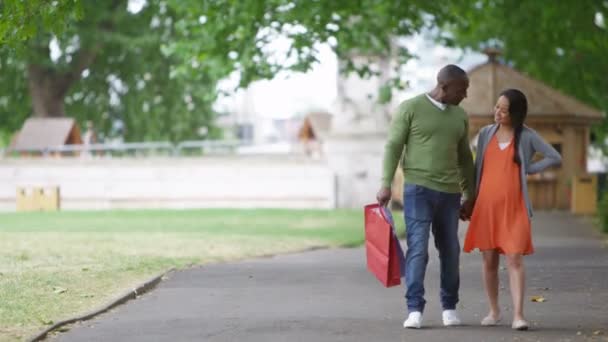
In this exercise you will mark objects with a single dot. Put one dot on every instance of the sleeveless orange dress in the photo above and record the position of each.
(500, 220)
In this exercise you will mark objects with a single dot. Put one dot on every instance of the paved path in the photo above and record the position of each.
(328, 295)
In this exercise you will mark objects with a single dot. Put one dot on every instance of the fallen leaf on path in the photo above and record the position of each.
(538, 299)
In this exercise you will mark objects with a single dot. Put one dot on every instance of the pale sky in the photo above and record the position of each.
(288, 95)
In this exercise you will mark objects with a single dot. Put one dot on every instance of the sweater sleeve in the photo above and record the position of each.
(550, 156)
(481, 145)
(397, 138)
(465, 164)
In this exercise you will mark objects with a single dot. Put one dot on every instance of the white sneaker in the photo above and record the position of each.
(450, 318)
(413, 321)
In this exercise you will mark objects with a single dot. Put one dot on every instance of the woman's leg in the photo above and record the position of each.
(490, 279)
(515, 264)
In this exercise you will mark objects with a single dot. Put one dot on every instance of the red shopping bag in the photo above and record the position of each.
(384, 254)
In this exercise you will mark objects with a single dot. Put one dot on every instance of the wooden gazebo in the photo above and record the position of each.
(562, 121)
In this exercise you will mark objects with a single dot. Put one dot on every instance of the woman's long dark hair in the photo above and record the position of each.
(518, 109)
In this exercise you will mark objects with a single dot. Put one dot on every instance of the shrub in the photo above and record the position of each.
(603, 211)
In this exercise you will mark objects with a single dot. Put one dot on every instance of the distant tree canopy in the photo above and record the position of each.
(563, 43)
(109, 66)
(155, 68)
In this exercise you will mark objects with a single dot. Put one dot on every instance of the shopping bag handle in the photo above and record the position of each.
(381, 209)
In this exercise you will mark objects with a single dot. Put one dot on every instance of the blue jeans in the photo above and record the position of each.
(425, 208)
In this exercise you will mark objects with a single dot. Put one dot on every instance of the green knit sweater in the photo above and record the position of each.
(433, 146)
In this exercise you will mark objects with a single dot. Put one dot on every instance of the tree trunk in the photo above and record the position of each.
(48, 87)
(47, 92)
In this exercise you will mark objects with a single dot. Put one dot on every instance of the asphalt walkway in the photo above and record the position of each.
(328, 295)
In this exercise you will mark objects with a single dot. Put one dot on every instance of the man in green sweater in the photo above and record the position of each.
(430, 134)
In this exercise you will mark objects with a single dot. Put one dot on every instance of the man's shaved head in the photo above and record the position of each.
(452, 84)
(450, 73)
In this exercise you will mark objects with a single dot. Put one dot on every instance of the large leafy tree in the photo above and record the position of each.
(156, 70)
(20, 21)
(109, 67)
(562, 43)
(242, 31)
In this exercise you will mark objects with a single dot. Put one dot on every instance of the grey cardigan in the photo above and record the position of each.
(529, 143)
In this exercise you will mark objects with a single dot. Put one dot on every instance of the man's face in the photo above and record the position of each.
(455, 91)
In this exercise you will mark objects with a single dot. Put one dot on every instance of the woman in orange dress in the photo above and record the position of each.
(500, 221)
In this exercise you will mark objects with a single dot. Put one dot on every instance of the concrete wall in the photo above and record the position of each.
(229, 182)
(356, 158)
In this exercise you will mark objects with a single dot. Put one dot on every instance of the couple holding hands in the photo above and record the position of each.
(429, 133)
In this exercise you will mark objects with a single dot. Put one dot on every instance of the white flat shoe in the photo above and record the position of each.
(520, 324)
(413, 321)
(489, 321)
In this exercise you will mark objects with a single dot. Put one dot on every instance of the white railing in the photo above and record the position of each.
(193, 147)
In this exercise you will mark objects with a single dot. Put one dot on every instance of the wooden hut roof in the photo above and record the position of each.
(489, 79)
(41, 133)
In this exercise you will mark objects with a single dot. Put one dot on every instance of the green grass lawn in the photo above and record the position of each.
(56, 265)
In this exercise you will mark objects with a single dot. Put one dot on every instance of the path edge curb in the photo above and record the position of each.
(125, 297)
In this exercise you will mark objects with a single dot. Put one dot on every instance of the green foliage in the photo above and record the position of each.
(156, 70)
(14, 99)
(562, 43)
(62, 264)
(603, 212)
(4, 139)
(241, 31)
(126, 77)
(134, 81)
(21, 20)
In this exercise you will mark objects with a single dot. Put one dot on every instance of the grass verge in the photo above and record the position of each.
(57, 265)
